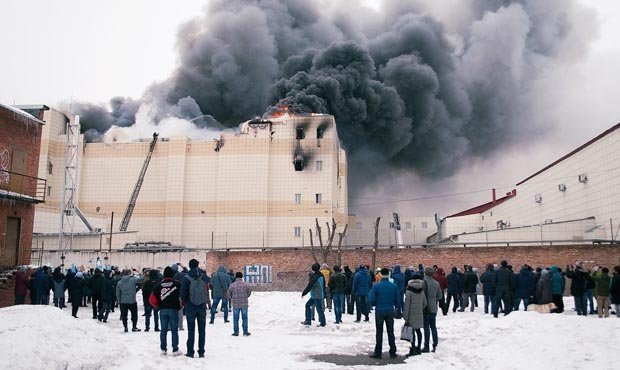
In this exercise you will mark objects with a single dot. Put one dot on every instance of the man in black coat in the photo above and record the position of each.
(94, 284)
(504, 286)
(488, 288)
(347, 291)
(577, 288)
(469, 289)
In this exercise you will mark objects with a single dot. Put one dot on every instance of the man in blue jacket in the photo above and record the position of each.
(361, 286)
(195, 303)
(384, 296)
(399, 280)
(316, 288)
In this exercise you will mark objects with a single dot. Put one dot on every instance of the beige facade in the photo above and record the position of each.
(241, 191)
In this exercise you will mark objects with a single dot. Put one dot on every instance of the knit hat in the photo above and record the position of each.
(168, 272)
(544, 272)
(324, 266)
(316, 267)
(429, 271)
(79, 275)
(193, 263)
(385, 272)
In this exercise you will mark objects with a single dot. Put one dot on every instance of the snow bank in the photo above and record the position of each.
(50, 338)
(44, 337)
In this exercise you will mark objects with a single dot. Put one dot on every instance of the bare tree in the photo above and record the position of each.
(326, 249)
(374, 247)
(340, 237)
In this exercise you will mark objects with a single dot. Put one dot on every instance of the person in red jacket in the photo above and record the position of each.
(21, 286)
(440, 276)
(165, 297)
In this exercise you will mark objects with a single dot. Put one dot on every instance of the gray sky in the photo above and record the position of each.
(56, 51)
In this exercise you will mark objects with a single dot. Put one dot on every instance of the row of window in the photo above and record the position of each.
(318, 198)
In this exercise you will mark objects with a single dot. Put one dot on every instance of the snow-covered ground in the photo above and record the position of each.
(36, 337)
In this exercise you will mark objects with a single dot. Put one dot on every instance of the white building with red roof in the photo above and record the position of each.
(574, 199)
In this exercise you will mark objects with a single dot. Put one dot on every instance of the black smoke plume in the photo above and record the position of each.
(413, 86)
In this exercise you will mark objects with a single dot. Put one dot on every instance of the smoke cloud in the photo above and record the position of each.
(414, 86)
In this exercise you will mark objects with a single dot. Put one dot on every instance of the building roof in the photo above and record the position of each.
(602, 135)
(484, 207)
(19, 115)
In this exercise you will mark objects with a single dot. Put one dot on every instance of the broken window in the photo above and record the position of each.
(298, 163)
(319, 198)
(299, 133)
(319, 132)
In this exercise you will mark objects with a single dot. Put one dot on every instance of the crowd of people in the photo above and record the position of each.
(169, 297)
(414, 295)
(417, 295)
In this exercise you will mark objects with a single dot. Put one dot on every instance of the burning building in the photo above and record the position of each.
(260, 187)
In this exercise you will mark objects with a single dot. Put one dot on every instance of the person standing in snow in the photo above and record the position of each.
(179, 273)
(126, 290)
(454, 289)
(147, 289)
(107, 296)
(603, 282)
(95, 292)
(469, 289)
(524, 287)
(220, 282)
(433, 293)
(327, 277)
(348, 298)
(577, 288)
(413, 312)
(488, 288)
(362, 281)
(59, 288)
(165, 298)
(440, 276)
(42, 284)
(337, 285)
(503, 288)
(614, 290)
(384, 297)
(239, 292)
(316, 288)
(195, 297)
(399, 281)
(76, 293)
(21, 286)
(544, 288)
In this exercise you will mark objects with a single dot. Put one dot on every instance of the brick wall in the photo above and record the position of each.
(290, 268)
(20, 132)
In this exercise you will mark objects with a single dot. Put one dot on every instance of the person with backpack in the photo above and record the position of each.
(165, 299)
(220, 282)
(195, 297)
(239, 292)
(126, 290)
(147, 289)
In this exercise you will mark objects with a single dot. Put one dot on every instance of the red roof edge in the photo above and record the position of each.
(484, 207)
(605, 133)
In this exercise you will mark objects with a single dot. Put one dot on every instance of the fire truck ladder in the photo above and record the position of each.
(136, 190)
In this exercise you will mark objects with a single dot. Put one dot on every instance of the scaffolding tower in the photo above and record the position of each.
(68, 205)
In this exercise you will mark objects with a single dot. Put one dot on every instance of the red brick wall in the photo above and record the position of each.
(290, 267)
(18, 132)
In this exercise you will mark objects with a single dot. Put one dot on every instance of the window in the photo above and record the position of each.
(358, 225)
(319, 132)
(424, 225)
(299, 133)
(297, 198)
(319, 198)
(319, 166)
(49, 191)
(50, 167)
(298, 231)
(407, 225)
(391, 225)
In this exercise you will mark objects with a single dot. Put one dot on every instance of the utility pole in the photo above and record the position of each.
(111, 228)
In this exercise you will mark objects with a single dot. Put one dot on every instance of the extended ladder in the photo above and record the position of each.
(136, 190)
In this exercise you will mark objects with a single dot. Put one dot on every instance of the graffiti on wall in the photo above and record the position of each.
(4, 166)
(257, 274)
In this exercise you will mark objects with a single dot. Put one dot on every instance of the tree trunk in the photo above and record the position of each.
(340, 237)
(374, 248)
